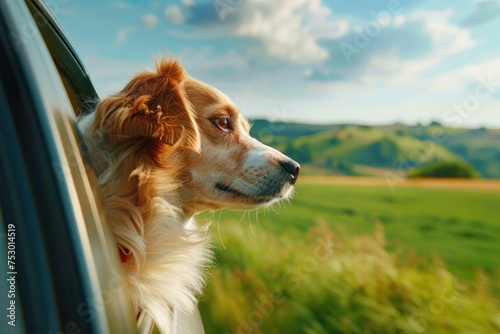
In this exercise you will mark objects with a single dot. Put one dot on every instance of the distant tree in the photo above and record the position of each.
(384, 151)
(434, 123)
(334, 141)
(345, 167)
(400, 133)
(481, 130)
(445, 169)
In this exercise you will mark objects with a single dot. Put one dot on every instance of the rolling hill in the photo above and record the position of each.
(349, 149)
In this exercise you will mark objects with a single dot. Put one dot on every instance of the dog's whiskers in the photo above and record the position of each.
(218, 229)
(242, 217)
(257, 220)
(251, 228)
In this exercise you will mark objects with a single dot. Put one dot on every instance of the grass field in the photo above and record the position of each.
(462, 227)
(419, 228)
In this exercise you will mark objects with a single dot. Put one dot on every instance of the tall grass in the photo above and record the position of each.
(328, 282)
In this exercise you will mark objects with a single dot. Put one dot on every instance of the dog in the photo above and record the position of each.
(165, 148)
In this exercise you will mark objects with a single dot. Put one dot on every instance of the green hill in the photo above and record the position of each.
(349, 149)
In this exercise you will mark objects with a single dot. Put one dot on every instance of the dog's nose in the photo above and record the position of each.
(293, 168)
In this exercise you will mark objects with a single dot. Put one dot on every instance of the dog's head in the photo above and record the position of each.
(233, 170)
(219, 164)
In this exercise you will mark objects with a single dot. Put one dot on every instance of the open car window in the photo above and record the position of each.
(66, 264)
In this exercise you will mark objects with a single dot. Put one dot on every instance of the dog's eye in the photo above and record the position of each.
(222, 123)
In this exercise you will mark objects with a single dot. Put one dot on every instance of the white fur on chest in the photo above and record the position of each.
(177, 256)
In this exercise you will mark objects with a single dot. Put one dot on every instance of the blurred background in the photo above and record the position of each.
(392, 107)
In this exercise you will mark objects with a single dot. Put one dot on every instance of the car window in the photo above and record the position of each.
(65, 255)
(77, 83)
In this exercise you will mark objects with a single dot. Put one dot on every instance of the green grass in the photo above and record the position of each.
(347, 259)
(461, 227)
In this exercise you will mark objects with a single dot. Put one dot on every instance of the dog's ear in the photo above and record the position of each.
(152, 105)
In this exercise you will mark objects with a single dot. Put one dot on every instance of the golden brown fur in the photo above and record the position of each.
(165, 148)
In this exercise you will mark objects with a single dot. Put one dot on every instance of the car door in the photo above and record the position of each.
(56, 248)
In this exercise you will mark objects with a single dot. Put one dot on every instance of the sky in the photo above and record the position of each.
(314, 61)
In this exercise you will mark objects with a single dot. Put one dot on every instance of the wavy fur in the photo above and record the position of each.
(132, 149)
(164, 148)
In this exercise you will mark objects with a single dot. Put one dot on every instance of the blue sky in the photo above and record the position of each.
(365, 61)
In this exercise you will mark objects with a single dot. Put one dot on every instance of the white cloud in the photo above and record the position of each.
(287, 29)
(411, 80)
(187, 3)
(459, 80)
(399, 20)
(150, 20)
(121, 4)
(486, 10)
(122, 34)
(329, 29)
(175, 15)
(446, 40)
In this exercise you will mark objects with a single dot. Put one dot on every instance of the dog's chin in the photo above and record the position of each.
(245, 200)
